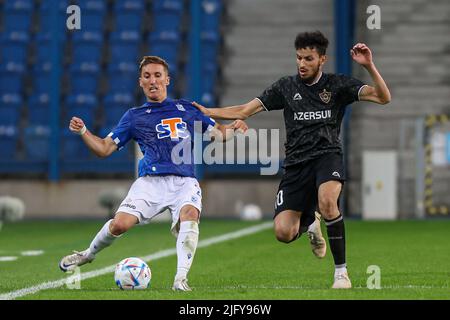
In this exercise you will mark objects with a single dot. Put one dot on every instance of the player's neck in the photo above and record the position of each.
(315, 80)
(160, 100)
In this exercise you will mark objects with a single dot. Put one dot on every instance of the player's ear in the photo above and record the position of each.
(323, 59)
(140, 82)
(167, 80)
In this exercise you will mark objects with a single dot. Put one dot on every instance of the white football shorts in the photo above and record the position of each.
(150, 196)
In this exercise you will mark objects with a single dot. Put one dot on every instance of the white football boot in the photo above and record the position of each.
(317, 241)
(77, 259)
(341, 281)
(180, 284)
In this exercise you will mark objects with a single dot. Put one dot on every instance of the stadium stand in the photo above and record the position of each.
(8, 141)
(10, 108)
(18, 15)
(98, 66)
(45, 20)
(129, 15)
(37, 142)
(39, 110)
(167, 15)
(14, 46)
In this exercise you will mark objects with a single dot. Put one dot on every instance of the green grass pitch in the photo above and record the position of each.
(413, 257)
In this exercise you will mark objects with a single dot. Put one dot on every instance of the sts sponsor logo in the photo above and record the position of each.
(173, 128)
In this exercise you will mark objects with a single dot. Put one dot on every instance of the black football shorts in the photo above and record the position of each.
(300, 183)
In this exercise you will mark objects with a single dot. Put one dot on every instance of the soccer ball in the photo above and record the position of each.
(132, 274)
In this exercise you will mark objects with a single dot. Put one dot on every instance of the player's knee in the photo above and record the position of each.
(285, 235)
(117, 227)
(189, 214)
(328, 207)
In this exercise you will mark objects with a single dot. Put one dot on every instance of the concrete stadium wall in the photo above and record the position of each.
(79, 198)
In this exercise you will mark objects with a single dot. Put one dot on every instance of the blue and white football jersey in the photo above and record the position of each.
(158, 128)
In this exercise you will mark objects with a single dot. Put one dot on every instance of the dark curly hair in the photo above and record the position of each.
(312, 40)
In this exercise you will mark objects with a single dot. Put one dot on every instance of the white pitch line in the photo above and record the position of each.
(155, 256)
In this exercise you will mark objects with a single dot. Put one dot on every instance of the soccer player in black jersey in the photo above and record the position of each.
(313, 104)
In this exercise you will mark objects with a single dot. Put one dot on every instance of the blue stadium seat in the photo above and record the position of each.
(87, 47)
(8, 141)
(11, 77)
(39, 110)
(42, 81)
(208, 81)
(129, 15)
(115, 105)
(14, 46)
(124, 46)
(210, 42)
(93, 20)
(211, 15)
(167, 15)
(72, 147)
(123, 77)
(84, 78)
(43, 47)
(37, 142)
(82, 106)
(93, 14)
(46, 23)
(166, 44)
(17, 15)
(10, 105)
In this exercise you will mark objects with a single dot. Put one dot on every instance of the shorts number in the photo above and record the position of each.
(280, 198)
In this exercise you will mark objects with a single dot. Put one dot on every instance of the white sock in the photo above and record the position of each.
(103, 239)
(340, 269)
(186, 245)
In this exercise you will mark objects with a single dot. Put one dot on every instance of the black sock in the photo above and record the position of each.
(336, 239)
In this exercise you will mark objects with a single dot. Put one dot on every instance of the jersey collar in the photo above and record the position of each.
(157, 104)
(316, 81)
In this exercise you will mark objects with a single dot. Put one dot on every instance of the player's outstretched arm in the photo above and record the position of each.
(241, 112)
(379, 93)
(101, 147)
(224, 132)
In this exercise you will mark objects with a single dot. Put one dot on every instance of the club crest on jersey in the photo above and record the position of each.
(325, 96)
(180, 107)
(173, 128)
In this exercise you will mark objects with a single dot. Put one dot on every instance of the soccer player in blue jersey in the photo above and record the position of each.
(158, 126)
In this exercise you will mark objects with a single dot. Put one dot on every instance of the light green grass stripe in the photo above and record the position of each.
(158, 255)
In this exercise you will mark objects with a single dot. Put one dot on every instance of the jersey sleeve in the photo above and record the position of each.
(271, 98)
(122, 133)
(207, 122)
(350, 88)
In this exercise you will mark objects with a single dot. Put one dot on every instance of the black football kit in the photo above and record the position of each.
(313, 115)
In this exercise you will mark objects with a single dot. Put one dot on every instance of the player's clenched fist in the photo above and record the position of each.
(77, 125)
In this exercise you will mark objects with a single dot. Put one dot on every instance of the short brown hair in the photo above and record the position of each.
(153, 59)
